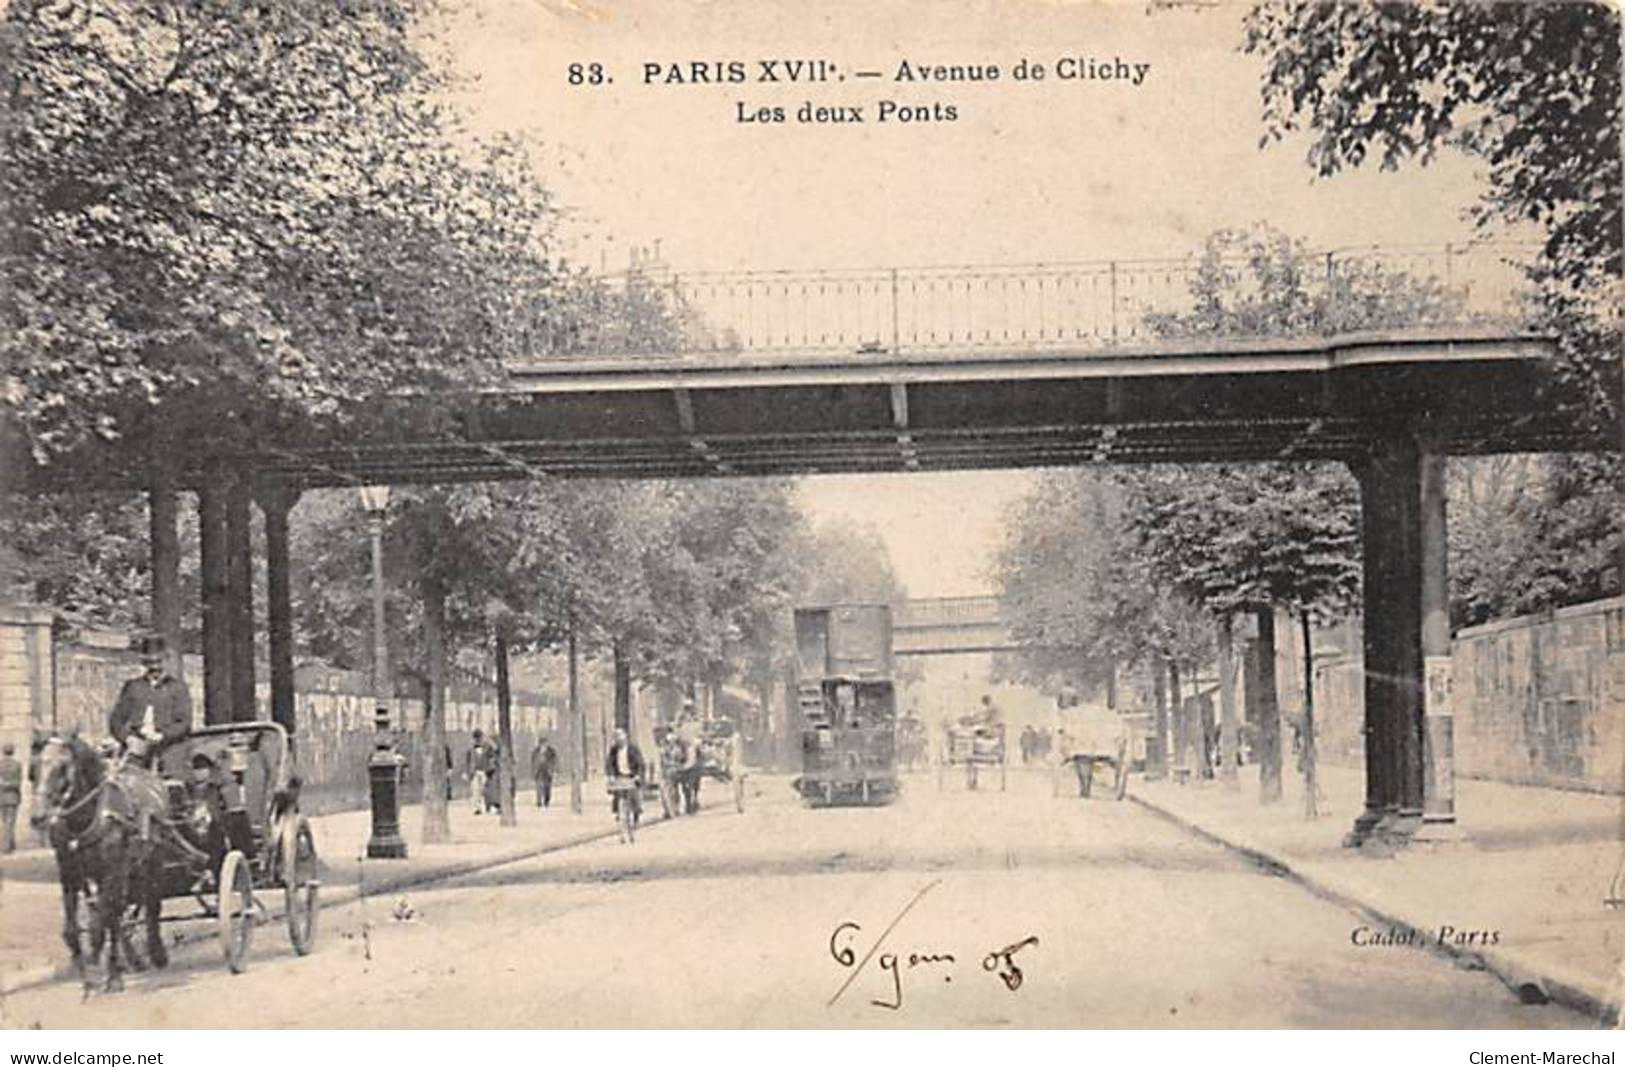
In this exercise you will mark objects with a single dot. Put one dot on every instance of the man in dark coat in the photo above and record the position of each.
(624, 760)
(543, 762)
(156, 711)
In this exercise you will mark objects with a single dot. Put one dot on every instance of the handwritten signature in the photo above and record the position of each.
(1000, 962)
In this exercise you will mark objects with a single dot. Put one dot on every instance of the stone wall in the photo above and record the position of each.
(1538, 700)
(25, 672)
(56, 683)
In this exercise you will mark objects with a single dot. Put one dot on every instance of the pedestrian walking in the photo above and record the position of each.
(475, 770)
(543, 762)
(36, 752)
(11, 796)
(493, 776)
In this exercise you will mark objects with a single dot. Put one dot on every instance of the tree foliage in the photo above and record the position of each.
(1237, 539)
(229, 223)
(1529, 533)
(1532, 89)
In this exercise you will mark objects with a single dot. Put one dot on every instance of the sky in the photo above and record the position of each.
(1029, 171)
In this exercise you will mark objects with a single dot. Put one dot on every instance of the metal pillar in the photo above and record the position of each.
(166, 564)
(240, 611)
(216, 602)
(275, 504)
(1390, 504)
(380, 643)
(1439, 778)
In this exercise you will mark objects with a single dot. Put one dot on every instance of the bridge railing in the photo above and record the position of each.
(1042, 306)
(948, 612)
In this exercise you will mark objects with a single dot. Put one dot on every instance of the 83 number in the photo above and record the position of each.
(588, 74)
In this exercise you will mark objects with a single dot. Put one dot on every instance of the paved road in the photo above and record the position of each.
(727, 920)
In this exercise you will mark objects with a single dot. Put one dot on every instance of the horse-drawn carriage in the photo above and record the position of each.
(1091, 739)
(972, 746)
(127, 840)
(692, 752)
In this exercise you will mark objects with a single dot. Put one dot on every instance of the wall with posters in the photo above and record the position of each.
(1538, 700)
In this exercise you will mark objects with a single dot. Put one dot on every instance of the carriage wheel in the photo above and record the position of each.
(1122, 774)
(1002, 766)
(235, 910)
(739, 793)
(299, 884)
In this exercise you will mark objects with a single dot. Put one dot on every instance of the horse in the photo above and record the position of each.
(101, 827)
(680, 772)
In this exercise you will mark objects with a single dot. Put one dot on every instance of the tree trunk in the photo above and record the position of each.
(211, 506)
(623, 690)
(1181, 719)
(1269, 711)
(275, 505)
(166, 568)
(1227, 706)
(1156, 760)
(436, 816)
(506, 788)
(1311, 785)
(764, 725)
(240, 600)
(576, 731)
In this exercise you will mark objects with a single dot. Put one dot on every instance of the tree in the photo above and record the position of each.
(86, 555)
(1529, 533)
(1280, 535)
(1253, 540)
(249, 219)
(1081, 597)
(1532, 89)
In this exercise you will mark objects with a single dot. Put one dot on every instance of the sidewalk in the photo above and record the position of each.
(30, 899)
(1532, 864)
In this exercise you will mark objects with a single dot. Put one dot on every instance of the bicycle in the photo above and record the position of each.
(624, 792)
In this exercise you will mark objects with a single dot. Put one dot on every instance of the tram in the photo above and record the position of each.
(848, 705)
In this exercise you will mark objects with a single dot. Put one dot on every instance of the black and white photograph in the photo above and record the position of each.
(644, 515)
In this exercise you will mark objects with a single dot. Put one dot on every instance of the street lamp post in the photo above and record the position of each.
(375, 502)
(385, 765)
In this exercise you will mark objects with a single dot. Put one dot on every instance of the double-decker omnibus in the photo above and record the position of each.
(848, 704)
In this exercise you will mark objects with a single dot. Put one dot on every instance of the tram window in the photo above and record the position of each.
(876, 703)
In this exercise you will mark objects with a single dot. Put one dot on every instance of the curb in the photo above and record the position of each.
(46, 975)
(1522, 977)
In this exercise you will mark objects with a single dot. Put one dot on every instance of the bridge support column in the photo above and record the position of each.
(275, 504)
(1391, 522)
(240, 610)
(216, 600)
(166, 568)
(1438, 751)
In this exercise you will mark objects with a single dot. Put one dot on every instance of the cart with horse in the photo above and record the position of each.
(691, 752)
(230, 838)
(973, 746)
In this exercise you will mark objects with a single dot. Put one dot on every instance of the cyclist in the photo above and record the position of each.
(624, 761)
